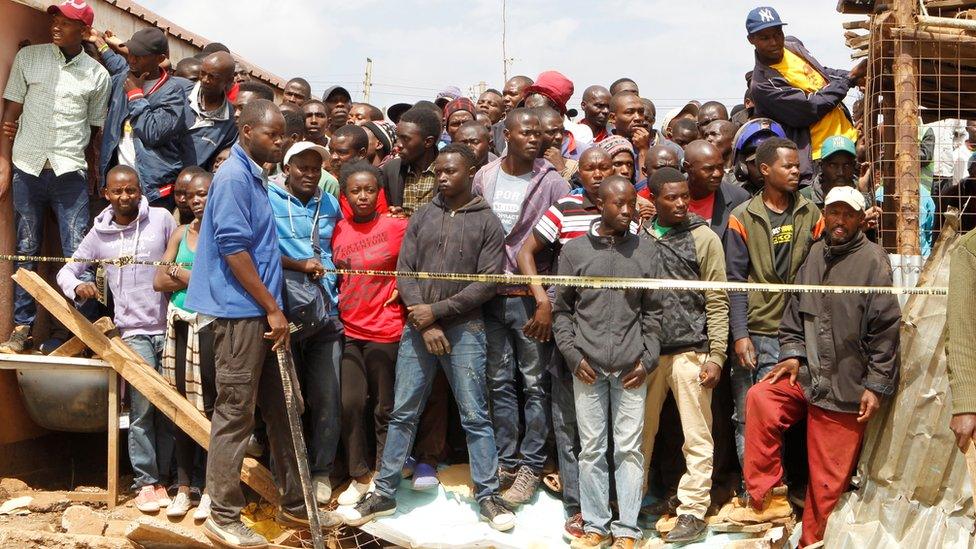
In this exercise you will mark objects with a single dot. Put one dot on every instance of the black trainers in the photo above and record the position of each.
(496, 515)
(688, 530)
(368, 509)
(234, 535)
(299, 519)
(505, 478)
(662, 507)
(524, 487)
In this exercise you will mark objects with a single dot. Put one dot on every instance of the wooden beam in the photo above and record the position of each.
(140, 375)
(74, 346)
(112, 483)
(907, 166)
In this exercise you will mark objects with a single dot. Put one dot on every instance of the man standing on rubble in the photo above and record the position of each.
(838, 359)
(238, 247)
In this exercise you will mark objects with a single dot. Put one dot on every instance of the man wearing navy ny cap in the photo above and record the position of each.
(790, 86)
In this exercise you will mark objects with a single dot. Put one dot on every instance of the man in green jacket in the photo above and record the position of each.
(768, 238)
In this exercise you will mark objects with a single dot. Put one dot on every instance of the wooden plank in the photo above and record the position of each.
(75, 346)
(140, 375)
(907, 166)
(112, 484)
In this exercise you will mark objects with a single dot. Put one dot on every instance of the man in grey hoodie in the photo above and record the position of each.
(609, 339)
(456, 233)
(129, 227)
(519, 188)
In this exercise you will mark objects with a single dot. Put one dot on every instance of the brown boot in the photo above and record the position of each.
(775, 507)
(590, 540)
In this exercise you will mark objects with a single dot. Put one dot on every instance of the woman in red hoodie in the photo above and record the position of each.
(373, 318)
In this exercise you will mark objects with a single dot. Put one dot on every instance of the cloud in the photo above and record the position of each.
(689, 49)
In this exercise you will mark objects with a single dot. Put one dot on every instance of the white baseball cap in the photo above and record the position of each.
(302, 146)
(848, 195)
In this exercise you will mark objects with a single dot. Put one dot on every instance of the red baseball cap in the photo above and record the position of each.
(79, 10)
(553, 85)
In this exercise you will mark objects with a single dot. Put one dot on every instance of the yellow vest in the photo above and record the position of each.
(801, 75)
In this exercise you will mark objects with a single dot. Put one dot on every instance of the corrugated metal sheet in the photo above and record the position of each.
(915, 490)
(124, 17)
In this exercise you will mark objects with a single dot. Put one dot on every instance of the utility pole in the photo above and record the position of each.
(368, 80)
(504, 48)
(482, 86)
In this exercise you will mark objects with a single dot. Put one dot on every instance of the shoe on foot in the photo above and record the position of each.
(146, 500)
(202, 511)
(180, 505)
(505, 478)
(355, 492)
(496, 515)
(624, 543)
(424, 477)
(18, 342)
(299, 519)
(776, 506)
(573, 529)
(662, 507)
(234, 535)
(323, 488)
(408, 468)
(590, 540)
(162, 496)
(524, 487)
(688, 529)
(375, 505)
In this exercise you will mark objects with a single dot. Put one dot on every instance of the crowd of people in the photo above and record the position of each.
(254, 205)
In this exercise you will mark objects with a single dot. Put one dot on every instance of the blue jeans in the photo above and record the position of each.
(465, 370)
(626, 418)
(767, 355)
(510, 352)
(151, 440)
(317, 362)
(566, 433)
(67, 196)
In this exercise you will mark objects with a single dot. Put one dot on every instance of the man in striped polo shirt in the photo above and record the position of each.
(568, 218)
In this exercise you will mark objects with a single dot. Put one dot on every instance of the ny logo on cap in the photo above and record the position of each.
(79, 4)
(766, 15)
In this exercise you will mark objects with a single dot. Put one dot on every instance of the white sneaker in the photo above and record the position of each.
(203, 509)
(179, 506)
(323, 489)
(162, 496)
(355, 492)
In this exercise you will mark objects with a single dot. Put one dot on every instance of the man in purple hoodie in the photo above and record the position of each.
(129, 227)
(520, 188)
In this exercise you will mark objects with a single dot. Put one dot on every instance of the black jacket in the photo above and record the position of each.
(845, 342)
(727, 197)
(467, 241)
(612, 329)
(792, 107)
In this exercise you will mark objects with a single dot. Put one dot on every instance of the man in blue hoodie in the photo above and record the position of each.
(129, 227)
(238, 248)
(299, 205)
(147, 115)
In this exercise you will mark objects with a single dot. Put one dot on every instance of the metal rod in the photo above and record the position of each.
(301, 453)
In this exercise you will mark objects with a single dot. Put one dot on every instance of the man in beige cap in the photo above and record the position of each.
(838, 359)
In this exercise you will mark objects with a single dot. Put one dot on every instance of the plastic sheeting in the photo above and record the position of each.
(914, 487)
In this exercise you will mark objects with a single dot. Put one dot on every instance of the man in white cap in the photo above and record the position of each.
(838, 359)
(305, 218)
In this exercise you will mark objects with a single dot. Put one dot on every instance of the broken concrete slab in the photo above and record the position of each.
(49, 502)
(153, 533)
(79, 519)
(32, 539)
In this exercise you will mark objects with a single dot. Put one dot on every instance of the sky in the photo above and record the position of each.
(676, 50)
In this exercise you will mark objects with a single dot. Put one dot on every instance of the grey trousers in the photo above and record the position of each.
(247, 375)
